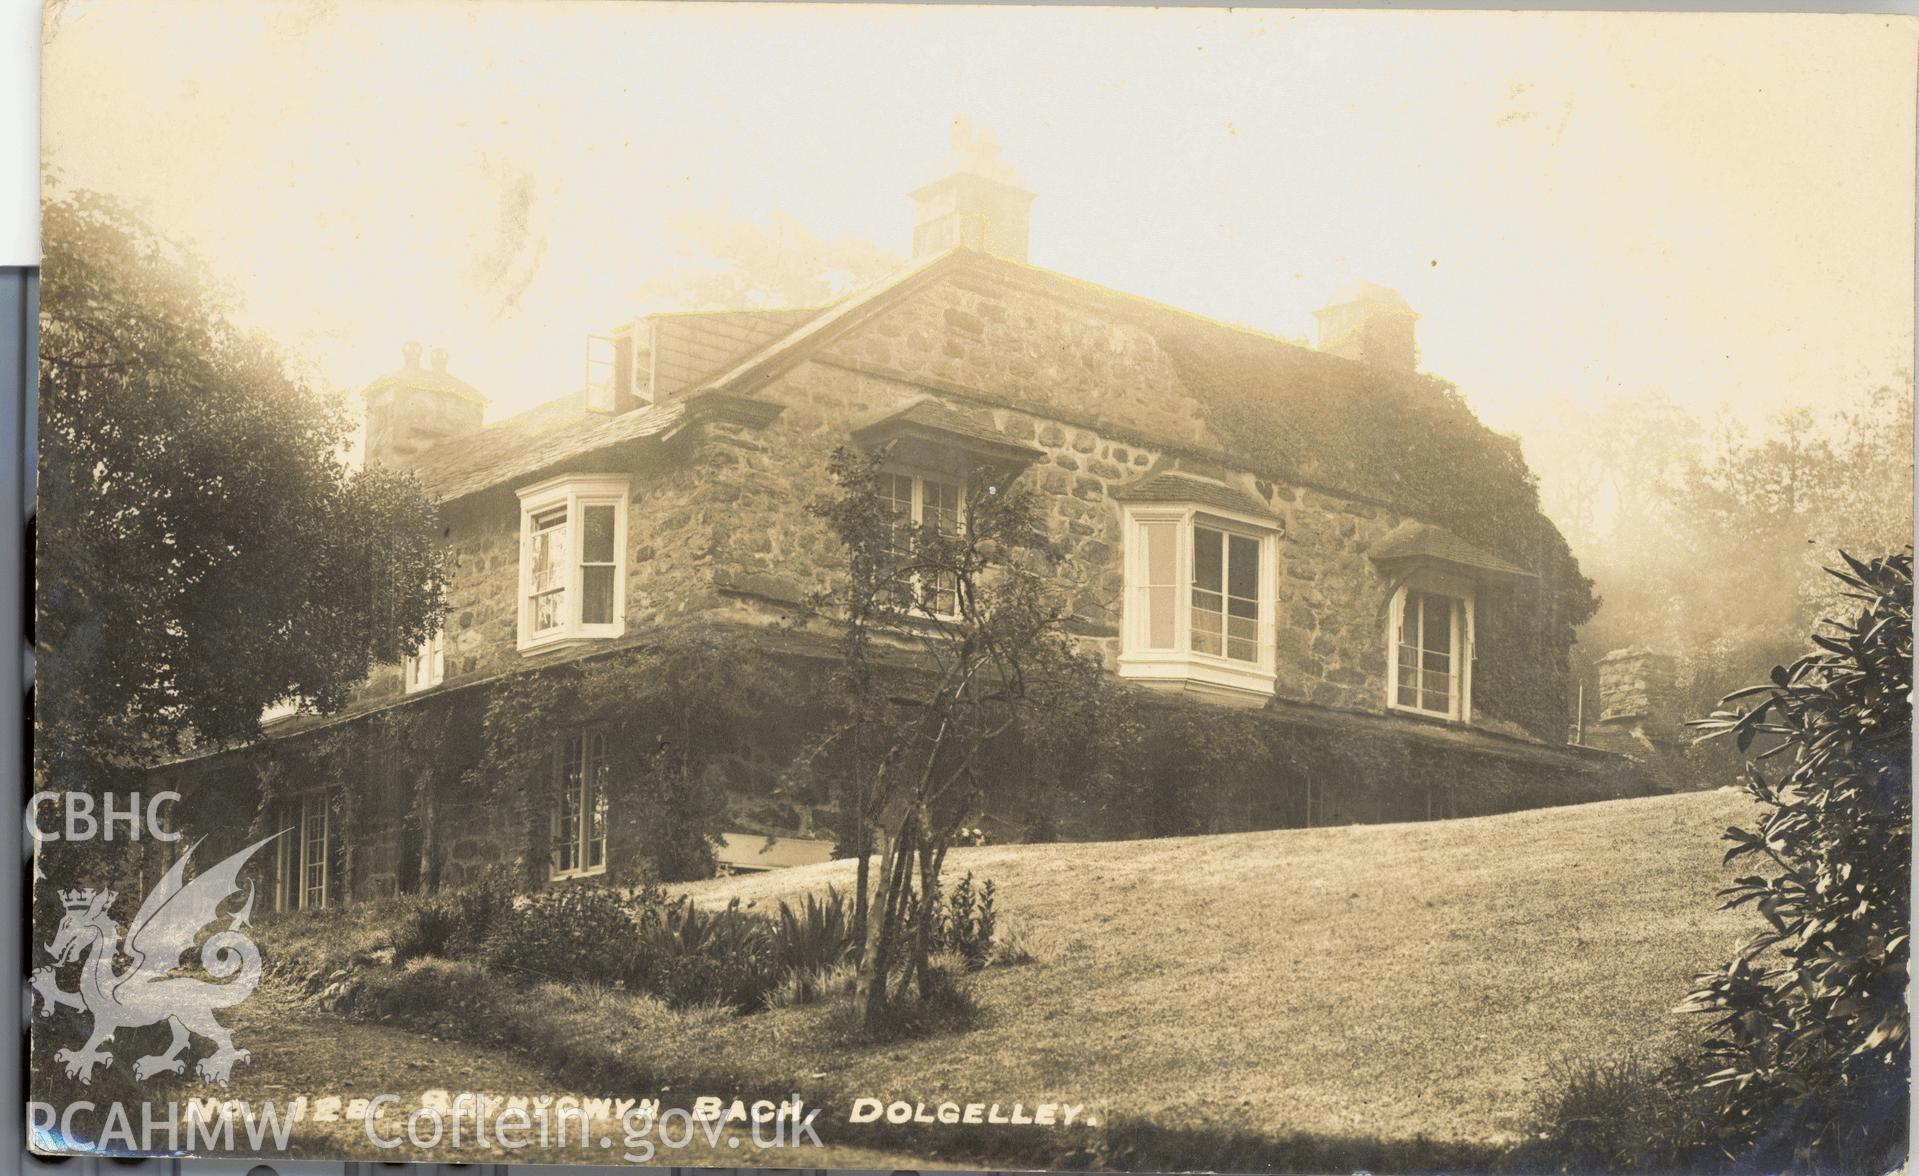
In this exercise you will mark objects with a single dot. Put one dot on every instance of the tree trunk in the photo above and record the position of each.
(867, 994)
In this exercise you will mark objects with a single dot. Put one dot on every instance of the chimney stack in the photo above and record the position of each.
(412, 408)
(980, 204)
(1369, 323)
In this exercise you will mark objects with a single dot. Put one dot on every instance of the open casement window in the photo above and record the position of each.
(1199, 610)
(619, 372)
(915, 502)
(572, 560)
(426, 668)
(307, 856)
(1430, 650)
(579, 806)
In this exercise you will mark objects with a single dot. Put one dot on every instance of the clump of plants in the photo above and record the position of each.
(454, 922)
(572, 934)
(640, 941)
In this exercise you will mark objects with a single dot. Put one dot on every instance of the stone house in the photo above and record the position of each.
(1321, 534)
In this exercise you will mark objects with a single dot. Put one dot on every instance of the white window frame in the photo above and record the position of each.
(292, 852)
(603, 358)
(1460, 591)
(426, 668)
(575, 493)
(583, 840)
(920, 477)
(1183, 667)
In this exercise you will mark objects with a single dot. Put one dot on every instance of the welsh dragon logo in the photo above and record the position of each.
(148, 991)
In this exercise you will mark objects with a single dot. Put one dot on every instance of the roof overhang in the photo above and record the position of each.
(928, 434)
(1413, 546)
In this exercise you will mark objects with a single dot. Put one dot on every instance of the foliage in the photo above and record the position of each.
(976, 614)
(202, 549)
(688, 956)
(1622, 1115)
(963, 926)
(579, 934)
(669, 711)
(1707, 536)
(1411, 444)
(454, 922)
(1810, 1028)
(815, 934)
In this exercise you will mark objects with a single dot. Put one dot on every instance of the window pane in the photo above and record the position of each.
(549, 556)
(1438, 692)
(566, 823)
(940, 506)
(896, 492)
(1158, 595)
(596, 543)
(1242, 576)
(549, 611)
(1208, 622)
(1207, 556)
(1438, 633)
(596, 595)
(596, 804)
(1242, 638)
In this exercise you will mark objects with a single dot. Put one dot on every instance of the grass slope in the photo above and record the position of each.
(1384, 982)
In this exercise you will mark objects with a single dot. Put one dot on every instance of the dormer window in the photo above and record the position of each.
(425, 668)
(1436, 576)
(1200, 565)
(572, 560)
(619, 369)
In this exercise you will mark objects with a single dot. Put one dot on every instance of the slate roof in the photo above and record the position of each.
(1281, 410)
(1412, 540)
(1180, 486)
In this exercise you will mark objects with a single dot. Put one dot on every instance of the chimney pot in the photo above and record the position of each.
(410, 352)
(439, 359)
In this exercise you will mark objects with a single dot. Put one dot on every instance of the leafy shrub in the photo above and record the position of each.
(580, 934)
(968, 927)
(815, 935)
(1810, 1044)
(689, 956)
(452, 922)
(963, 925)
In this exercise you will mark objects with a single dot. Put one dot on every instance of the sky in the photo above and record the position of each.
(1579, 206)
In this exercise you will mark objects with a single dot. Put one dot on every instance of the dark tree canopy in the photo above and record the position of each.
(203, 551)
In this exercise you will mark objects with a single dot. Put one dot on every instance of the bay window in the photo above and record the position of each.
(572, 560)
(1199, 609)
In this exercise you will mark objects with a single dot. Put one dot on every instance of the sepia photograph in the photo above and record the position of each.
(900, 587)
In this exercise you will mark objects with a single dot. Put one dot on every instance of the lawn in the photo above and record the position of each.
(1387, 981)
(1385, 996)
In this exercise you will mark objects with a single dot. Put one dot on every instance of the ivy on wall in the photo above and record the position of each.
(669, 713)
